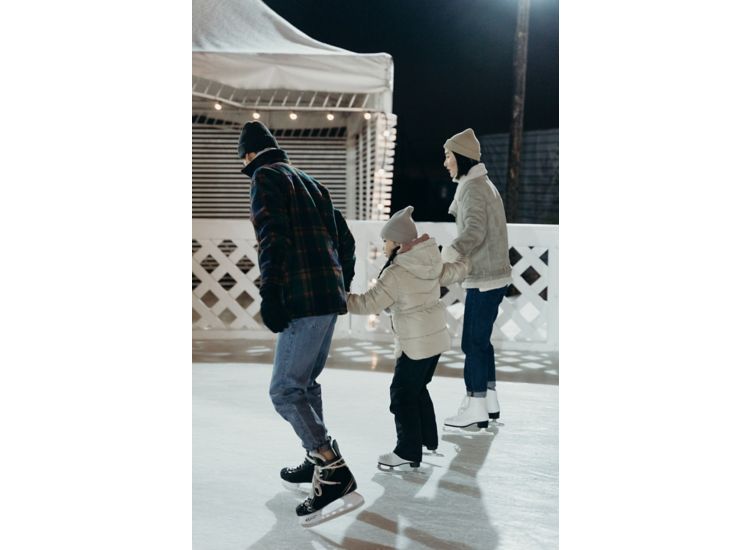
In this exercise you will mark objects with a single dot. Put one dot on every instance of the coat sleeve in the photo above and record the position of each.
(472, 207)
(270, 219)
(346, 248)
(454, 272)
(381, 296)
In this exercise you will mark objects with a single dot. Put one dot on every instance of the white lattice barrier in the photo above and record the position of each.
(529, 319)
(226, 301)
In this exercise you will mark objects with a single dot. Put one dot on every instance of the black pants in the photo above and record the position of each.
(412, 407)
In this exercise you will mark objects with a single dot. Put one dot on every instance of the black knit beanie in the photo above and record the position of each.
(255, 137)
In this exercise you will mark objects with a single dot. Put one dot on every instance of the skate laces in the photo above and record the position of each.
(317, 481)
(464, 405)
(301, 466)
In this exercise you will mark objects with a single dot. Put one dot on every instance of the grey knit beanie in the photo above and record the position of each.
(400, 228)
(465, 143)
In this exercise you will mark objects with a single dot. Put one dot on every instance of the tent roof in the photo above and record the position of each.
(245, 45)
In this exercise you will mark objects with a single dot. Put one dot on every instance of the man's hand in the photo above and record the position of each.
(272, 309)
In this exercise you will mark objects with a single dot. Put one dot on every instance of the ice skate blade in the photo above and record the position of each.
(297, 487)
(482, 424)
(388, 467)
(471, 429)
(338, 507)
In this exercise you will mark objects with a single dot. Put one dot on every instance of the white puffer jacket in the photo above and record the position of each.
(410, 287)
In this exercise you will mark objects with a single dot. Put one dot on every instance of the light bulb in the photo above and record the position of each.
(293, 116)
(368, 116)
(256, 115)
(217, 106)
(330, 116)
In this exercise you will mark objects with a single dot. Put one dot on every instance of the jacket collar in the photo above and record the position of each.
(269, 156)
(475, 171)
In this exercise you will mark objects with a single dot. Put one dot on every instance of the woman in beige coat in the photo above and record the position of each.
(483, 238)
(409, 287)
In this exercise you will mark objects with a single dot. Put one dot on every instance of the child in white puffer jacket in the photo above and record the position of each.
(409, 287)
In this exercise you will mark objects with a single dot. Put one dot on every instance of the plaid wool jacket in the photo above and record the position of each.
(305, 247)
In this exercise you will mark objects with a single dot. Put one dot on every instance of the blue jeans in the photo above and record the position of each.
(480, 313)
(301, 353)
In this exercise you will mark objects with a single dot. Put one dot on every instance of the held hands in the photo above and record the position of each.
(449, 254)
(272, 309)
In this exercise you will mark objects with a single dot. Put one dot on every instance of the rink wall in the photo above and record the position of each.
(226, 301)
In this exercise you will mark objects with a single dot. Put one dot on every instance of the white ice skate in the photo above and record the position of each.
(472, 412)
(493, 406)
(390, 461)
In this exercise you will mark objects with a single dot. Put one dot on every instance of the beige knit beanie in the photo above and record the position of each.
(465, 143)
(400, 228)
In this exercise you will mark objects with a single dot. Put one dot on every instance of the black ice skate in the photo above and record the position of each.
(333, 491)
(299, 477)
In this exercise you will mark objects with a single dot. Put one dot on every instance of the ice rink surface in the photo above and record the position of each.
(497, 489)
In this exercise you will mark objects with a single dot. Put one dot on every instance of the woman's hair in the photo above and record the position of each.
(464, 164)
(392, 257)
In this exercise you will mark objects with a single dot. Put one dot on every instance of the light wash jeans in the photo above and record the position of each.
(301, 353)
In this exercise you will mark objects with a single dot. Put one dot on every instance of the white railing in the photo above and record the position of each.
(226, 301)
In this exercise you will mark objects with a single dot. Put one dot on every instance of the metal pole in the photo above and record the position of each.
(519, 93)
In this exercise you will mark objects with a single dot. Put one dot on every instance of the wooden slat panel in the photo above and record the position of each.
(221, 191)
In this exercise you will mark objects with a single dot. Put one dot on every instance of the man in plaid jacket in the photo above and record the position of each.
(306, 258)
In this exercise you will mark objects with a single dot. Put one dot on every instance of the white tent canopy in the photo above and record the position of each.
(244, 45)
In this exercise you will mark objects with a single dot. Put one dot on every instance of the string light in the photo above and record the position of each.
(293, 116)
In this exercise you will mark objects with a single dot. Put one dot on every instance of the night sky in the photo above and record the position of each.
(453, 69)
